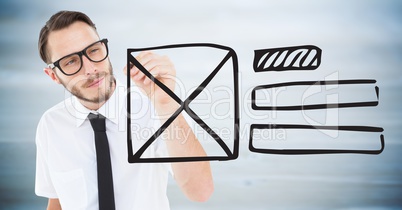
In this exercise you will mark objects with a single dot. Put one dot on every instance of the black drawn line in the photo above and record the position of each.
(315, 106)
(184, 105)
(306, 57)
(315, 151)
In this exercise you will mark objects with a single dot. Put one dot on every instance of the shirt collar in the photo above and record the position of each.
(111, 109)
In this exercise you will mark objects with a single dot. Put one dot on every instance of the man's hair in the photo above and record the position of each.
(59, 21)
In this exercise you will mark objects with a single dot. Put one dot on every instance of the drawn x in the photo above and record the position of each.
(184, 105)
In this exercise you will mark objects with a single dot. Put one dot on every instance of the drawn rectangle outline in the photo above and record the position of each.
(314, 106)
(315, 151)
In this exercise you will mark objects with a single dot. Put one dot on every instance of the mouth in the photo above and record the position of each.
(95, 83)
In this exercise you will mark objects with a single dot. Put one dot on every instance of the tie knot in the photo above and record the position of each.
(97, 122)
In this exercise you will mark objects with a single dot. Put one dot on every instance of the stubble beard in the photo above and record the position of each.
(103, 94)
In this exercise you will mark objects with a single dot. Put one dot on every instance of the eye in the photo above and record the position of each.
(93, 50)
(70, 61)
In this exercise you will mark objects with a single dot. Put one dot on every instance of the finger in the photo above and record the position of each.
(159, 72)
(155, 72)
(139, 76)
(134, 71)
(149, 66)
(125, 70)
(144, 57)
(147, 80)
(143, 53)
(153, 62)
(147, 56)
(155, 69)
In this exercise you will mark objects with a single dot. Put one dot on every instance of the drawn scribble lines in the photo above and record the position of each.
(306, 57)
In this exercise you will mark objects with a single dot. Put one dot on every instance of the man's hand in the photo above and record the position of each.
(162, 69)
(53, 204)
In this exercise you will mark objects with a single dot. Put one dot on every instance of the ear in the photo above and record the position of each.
(52, 75)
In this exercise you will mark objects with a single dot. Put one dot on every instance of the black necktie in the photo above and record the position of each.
(105, 180)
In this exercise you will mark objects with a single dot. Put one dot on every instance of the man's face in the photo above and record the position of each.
(94, 83)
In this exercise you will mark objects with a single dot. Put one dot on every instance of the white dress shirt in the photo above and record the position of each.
(66, 157)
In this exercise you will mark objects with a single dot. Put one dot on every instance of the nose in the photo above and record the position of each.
(88, 66)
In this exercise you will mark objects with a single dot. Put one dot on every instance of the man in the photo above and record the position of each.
(67, 157)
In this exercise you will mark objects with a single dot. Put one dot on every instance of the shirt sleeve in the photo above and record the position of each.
(43, 183)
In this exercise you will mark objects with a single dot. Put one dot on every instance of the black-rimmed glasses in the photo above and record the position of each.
(72, 63)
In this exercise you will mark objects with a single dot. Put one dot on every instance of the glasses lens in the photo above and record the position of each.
(97, 52)
(70, 64)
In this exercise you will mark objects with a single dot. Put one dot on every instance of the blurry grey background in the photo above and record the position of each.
(359, 39)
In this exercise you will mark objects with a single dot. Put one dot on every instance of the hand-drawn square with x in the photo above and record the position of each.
(184, 106)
